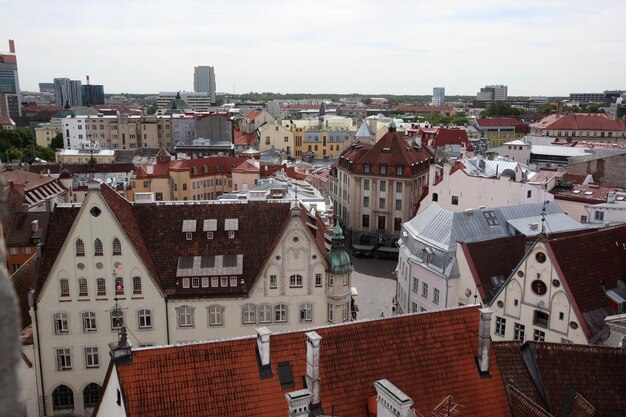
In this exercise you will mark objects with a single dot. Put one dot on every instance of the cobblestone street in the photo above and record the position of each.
(373, 279)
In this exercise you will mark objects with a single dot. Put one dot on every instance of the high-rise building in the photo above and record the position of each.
(493, 93)
(439, 96)
(46, 87)
(9, 83)
(93, 94)
(204, 81)
(66, 90)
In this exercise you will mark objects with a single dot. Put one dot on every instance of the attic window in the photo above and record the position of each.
(492, 219)
(207, 261)
(231, 234)
(386, 149)
(210, 225)
(209, 235)
(185, 262)
(189, 236)
(231, 224)
(588, 192)
(285, 375)
(229, 261)
(366, 168)
(189, 225)
(576, 191)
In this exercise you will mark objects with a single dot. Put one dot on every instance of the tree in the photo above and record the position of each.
(367, 101)
(546, 108)
(500, 108)
(56, 142)
(152, 108)
(594, 108)
(46, 153)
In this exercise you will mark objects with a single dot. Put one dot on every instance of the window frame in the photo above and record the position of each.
(64, 359)
(137, 285)
(281, 313)
(187, 313)
(101, 287)
(296, 281)
(92, 357)
(117, 319)
(265, 313)
(61, 323)
(500, 326)
(144, 319)
(215, 312)
(98, 247)
(89, 322)
(116, 246)
(248, 313)
(306, 312)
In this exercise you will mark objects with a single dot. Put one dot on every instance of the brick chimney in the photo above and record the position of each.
(299, 402)
(263, 346)
(391, 401)
(313, 367)
(484, 340)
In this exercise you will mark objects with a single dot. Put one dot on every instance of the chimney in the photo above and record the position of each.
(149, 169)
(610, 197)
(263, 352)
(93, 185)
(391, 401)
(313, 367)
(484, 340)
(121, 350)
(299, 402)
(35, 226)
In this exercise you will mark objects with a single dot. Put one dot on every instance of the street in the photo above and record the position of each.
(373, 279)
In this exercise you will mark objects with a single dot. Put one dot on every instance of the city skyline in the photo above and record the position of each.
(356, 47)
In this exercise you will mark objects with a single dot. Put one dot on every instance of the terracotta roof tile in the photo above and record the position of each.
(522, 406)
(580, 121)
(428, 356)
(23, 280)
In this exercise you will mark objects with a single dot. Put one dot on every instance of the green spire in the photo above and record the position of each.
(338, 259)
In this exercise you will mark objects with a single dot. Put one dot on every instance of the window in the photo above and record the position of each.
(345, 311)
(91, 393)
(185, 282)
(233, 281)
(185, 316)
(329, 278)
(435, 197)
(64, 287)
(91, 357)
(97, 247)
(216, 316)
(117, 247)
(415, 284)
(265, 313)
(397, 224)
(455, 200)
(435, 295)
(413, 307)
(119, 285)
(399, 171)
(295, 281)
(366, 220)
(62, 398)
(145, 319)
(117, 319)
(383, 186)
(381, 222)
(500, 326)
(366, 184)
(366, 168)
(214, 282)
(89, 322)
(381, 203)
(13, 251)
(27, 250)
(330, 313)
(273, 281)
(61, 323)
(249, 314)
(492, 219)
(541, 318)
(424, 290)
(306, 312)
(529, 193)
(231, 234)
(318, 280)
(209, 235)
(280, 313)
(80, 248)
(82, 287)
(195, 282)
(205, 282)
(598, 215)
(136, 285)
(539, 336)
(398, 205)
(189, 236)
(383, 170)
(101, 286)
(230, 260)
(366, 201)
(224, 281)
(64, 359)
(518, 332)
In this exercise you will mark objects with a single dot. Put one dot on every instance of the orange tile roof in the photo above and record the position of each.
(580, 121)
(427, 355)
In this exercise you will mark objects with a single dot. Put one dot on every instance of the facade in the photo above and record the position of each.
(562, 289)
(254, 120)
(200, 101)
(499, 130)
(204, 81)
(324, 143)
(45, 132)
(309, 373)
(92, 95)
(439, 96)
(377, 187)
(68, 91)
(586, 98)
(10, 94)
(274, 136)
(428, 271)
(85, 155)
(581, 126)
(173, 273)
(493, 93)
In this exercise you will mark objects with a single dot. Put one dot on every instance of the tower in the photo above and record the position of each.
(10, 94)
(204, 81)
(339, 279)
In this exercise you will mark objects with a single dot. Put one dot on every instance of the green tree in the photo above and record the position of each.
(152, 108)
(594, 108)
(46, 153)
(546, 108)
(500, 108)
(56, 142)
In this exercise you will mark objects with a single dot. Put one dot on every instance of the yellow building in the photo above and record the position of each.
(45, 132)
(277, 137)
(325, 144)
(84, 156)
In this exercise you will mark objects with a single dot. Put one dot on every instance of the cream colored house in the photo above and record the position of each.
(277, 137)
(45, 132)
(172, 273)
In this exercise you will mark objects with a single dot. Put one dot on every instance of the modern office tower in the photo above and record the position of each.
(46, 87)
(493, 93)
(93, 94)
(66, 90)
(439, 96)
(204, 81)
(9, 82)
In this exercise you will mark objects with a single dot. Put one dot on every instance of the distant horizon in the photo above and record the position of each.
(536, 48)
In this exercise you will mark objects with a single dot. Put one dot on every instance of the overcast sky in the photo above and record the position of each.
(536, 47)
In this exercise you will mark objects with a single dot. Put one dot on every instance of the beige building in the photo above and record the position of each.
(277, 137)
(45, 132)
(171, 273)
(85, 155)
(375, 188)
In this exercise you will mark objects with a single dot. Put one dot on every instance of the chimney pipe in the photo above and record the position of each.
(484, 340)
(313, 367)
(299, 402)
(391, 401)
(263, 344)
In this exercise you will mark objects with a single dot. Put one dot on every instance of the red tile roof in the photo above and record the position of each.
(213, 164)
(522, 406)
(570, 380)
(586, 262)
(6, 121)
(580, 121)
(23, 280)
(422, 109)
(246, 166)
(445, 136)
(428, 356)
(500, 121)
(243, 138)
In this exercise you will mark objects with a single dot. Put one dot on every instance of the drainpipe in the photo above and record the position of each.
(167, 321)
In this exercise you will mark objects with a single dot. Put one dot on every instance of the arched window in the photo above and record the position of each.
(98, 250)
(136, 285)
(117, 247)
(295, 281)
(91, 394)
(62, 398)
(119, 285)
(101, 284)
(64, 287)
(80, 247)
(83, 290)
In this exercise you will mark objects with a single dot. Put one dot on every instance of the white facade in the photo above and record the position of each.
(198, 101)
(611, 212)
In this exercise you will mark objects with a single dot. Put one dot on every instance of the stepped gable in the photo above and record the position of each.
(426, 355)
(259, 230)
(588, 263)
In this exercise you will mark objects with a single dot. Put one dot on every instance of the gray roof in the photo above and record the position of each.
(596, 154)
(363, 131)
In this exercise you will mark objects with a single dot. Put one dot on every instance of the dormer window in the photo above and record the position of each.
(209, 235)
(383, 169)
(399, 170)
(366, 168)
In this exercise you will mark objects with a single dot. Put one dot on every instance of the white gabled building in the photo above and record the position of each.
(173, 272)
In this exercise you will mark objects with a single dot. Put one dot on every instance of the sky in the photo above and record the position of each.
(536, 47)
